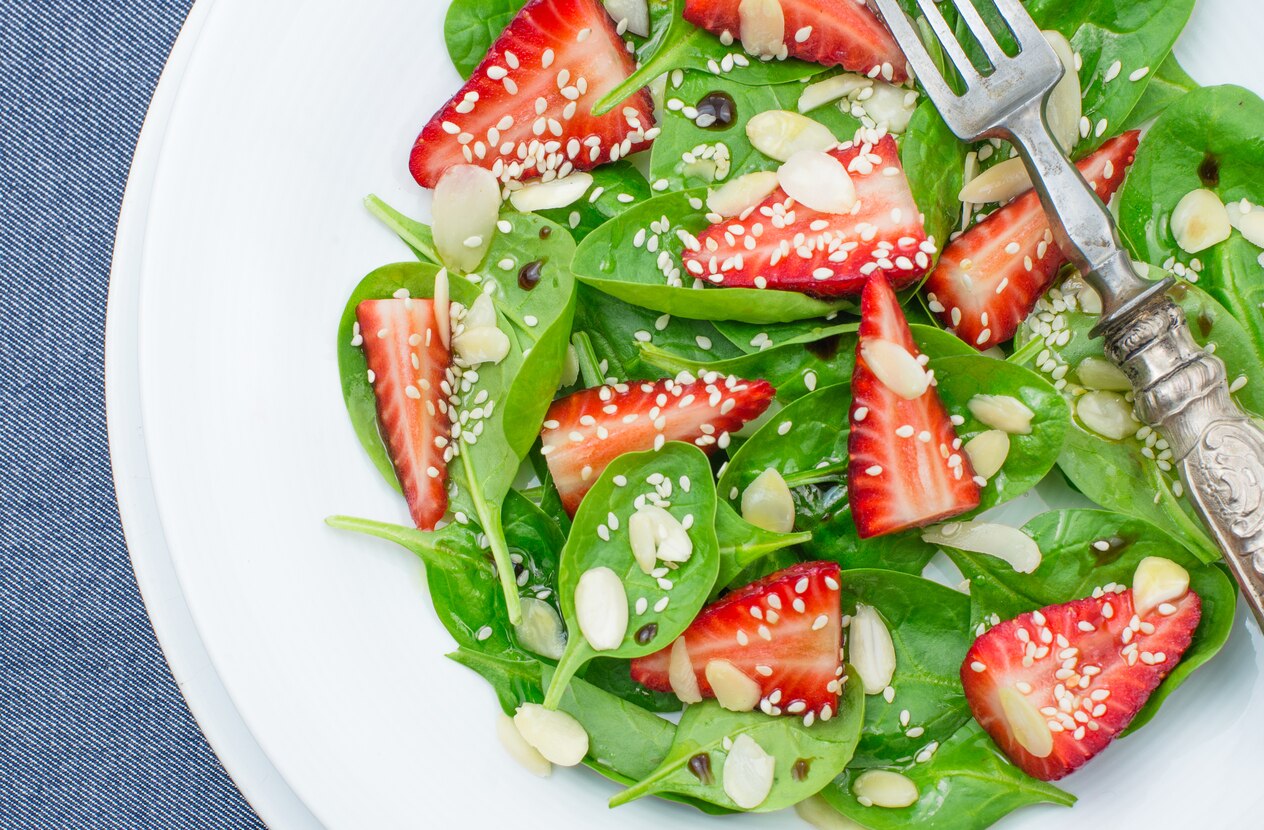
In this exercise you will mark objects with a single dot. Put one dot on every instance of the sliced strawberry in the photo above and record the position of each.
(527, 109)
(905, 467)
(407, 363)
(1080, 670)
(585, 431)
(783, 245)
(989, 278)
(829, 32)
(783, 632)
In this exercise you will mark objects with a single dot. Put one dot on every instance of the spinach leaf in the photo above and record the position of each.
(742, 544)
(1211, 138)
(516, 678)
(675, 43)
(930, 626)
(616, 186)
(1071, 567)
(617, 330)
(750, 338)
(1167, 84)
(416, 235)
(934, 162)
(1139, 35)
(636, 255)
(615, 676)
(677, 478)
(472, 26)
(966, 784)
(1134, 475)
(794, 369)
(674, 155)
(806, 757)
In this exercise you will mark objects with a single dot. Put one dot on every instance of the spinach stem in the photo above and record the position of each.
(817, 475)
(662, 59)
(576, 655)
(1027, 352)
(589, 365)
(392, 219)
(489, 518)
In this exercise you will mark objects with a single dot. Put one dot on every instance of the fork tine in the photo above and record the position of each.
(979, 28)
(949, 42)
(910, 42)
(1019, 21)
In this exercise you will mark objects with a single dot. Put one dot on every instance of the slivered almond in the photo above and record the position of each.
(819, 181)
(779, 134)
(740, 194)
(870, 649)
(895, 367)
(1002, 412)
(558, 193)
(767, 503)
(831, 89)
(1106, 413)
(748, 773)
(1199, 221)
(884, 788)
(1100, 373)
(733, 689)
(636, 12)
(1065, 105)
(541, 631)
(680, 674)
(1027, 725)
(988, 451)
(999, 183)
(518, 748)
(466, 207)
(763, 27)
(1156, 581)
(1008, 544)
(601, 608)
(555, 735)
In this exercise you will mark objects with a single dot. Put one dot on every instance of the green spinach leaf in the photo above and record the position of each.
(934, 161)
(742, 544)
(472, 26)
(1167, 84)
(615, 188)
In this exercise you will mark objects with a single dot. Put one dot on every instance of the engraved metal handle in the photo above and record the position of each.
(1182, 391)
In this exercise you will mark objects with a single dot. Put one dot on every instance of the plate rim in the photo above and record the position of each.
(211, 705)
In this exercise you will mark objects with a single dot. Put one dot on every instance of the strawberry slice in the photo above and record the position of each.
(829, 32)
(989, 278)
(527, 109)
(783, 245)
(1053, 687)
(407, 363)
(905, 468)
(585, 431)
(784, 632)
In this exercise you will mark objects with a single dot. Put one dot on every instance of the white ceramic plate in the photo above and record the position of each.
(311, 657)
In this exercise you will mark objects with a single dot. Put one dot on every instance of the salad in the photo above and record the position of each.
(719, 337)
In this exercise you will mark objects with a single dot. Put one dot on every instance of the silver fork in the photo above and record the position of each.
(1181, 390)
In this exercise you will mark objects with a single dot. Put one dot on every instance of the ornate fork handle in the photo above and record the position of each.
(1182, 392)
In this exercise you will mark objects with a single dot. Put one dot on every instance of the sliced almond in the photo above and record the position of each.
(570, 367)
(819, 181)
(767, 503)
(831, 89)
(1106, 413)
(641, 538)
(1090, 301)
(487, 344)
(635, 12)
(680, 673)
(601, 608)
(541, 631)
(870, 649)
(1065, 105)
(1156, 581)
(670, 540)
(1002, 412)
(481, 314)
(884, 788)
(1026, 724)
(999, 183)
(987, 451)
(1199, 221)
(443, 307)
(1100, 373)
(748, 773)
(518, 748)
(895, 367)
(741, 194)
(891, 107)
(733, 689)
(466, 207)
(762, 27)
(558, 193)
(1249, 221)
(779, 134)
(555, 735)
(817, 812)
(1006, 543)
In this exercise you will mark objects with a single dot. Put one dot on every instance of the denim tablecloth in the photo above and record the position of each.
(93, 732)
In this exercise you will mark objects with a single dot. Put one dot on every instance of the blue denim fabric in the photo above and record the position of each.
(93, 732)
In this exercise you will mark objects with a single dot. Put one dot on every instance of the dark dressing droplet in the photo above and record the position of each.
(827, 347)
(700, 766)
(1209, 171)
(529, 276)
(716, 111)
(546, 232)
(646, 633)
(1115, 547)
(1205, 323)
(801, 769)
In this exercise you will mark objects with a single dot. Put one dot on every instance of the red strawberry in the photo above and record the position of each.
(526, 110)
(783, 632)
(783, 245)
(906, 468)
(1079, 671)
(989, 278)
(834, 33)
(585, 431)
(407, 363)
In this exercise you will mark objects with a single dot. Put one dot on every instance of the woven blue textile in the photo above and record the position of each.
(93, 732)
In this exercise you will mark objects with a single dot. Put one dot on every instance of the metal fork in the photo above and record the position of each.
(1181, 390)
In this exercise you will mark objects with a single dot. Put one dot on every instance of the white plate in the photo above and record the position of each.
(311, 657)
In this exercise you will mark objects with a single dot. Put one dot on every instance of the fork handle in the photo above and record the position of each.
(1082, 226)
(1182, 392)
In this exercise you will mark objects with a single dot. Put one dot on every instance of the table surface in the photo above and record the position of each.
(93, 730)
